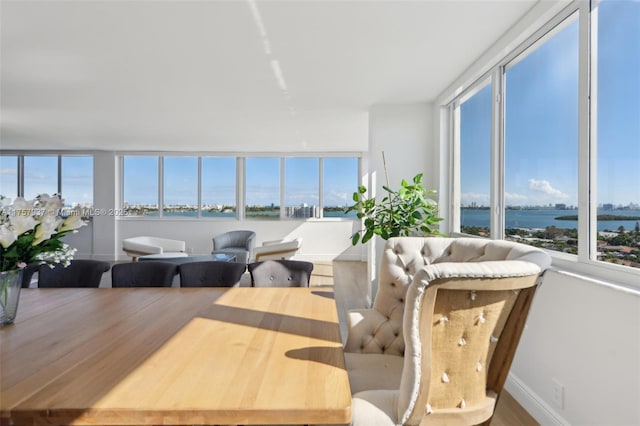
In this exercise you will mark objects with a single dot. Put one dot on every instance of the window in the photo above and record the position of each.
(618, 132)
(9, 176)
(541, 143)
(301, 185)
(475, 163)
(180, 186)
(210, 187)
(140, 188)
(568, 137)
(40, 175)
(77, 181)
(262, 180)
(340, 181)
(218, 187)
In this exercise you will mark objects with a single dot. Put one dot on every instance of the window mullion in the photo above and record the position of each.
(497, 155)
(587, 143)
(160, 186)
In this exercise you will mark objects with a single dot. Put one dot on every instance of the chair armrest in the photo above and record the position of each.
(221, 241)
(173, 245)
(139, 247)
(369, 331)
(277, 250)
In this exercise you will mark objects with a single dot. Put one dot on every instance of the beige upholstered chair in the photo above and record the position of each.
(438, 344)
(141, 246)
(277, 249)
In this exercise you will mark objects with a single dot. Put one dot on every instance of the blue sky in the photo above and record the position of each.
(541, 116)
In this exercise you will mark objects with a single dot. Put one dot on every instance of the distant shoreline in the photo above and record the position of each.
(600, 217)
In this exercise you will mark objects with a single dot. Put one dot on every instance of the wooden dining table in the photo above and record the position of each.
(174, 356)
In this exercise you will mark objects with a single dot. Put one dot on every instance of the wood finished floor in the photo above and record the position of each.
(349, 282)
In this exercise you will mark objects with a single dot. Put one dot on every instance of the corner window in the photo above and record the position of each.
(541, 143)
(618, 133)
(475, 163)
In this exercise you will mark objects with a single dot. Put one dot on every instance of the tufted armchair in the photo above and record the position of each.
(443, 330)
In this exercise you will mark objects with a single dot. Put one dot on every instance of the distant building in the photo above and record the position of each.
(561, 206)
(607, 207)
(303, 211)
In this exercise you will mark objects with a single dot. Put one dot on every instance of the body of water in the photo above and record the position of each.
(266, 215)
(542, 218)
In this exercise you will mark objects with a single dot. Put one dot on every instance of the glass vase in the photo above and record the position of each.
(10, 285)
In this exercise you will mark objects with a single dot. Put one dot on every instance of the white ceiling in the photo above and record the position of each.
(228, 75)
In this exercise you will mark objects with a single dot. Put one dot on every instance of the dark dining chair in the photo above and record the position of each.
(79, 273)
(280, 273)
(27, 274)
(143, 274)
(211, 274)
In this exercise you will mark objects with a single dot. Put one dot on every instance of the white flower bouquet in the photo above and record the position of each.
(31, 231)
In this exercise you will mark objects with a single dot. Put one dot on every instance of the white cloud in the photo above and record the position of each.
(545, 188)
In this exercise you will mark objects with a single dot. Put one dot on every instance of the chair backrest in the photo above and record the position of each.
(211, 274)
(238, 243)
(462, 324)
(79, 273)
(143, 274)
(280, 273)
(28, 272)
(237, 239)
(280, 249)
(403, 257)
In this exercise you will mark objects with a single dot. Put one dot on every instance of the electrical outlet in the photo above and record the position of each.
(558, 393)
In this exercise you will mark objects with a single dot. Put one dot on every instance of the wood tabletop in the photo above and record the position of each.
(174, 356)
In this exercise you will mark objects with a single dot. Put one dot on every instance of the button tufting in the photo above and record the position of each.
(401, 300)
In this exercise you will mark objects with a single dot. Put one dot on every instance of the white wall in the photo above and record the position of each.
(322, 239)
(586, 336)
(405, 133)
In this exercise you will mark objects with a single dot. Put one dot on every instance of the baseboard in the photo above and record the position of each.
(530, 401)
(327, 257)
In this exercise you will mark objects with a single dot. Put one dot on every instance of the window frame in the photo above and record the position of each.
(43, 153)
(240, 182)
(585, 262)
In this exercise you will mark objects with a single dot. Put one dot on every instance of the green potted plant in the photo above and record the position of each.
(408, 211)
